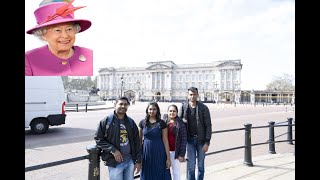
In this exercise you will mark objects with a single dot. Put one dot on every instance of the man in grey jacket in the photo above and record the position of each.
(196, 116)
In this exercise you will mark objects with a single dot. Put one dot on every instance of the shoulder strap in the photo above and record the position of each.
(130, 121)
(110, 118)
(109, 121)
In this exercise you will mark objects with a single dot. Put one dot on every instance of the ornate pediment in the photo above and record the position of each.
(229, 63)
(106, 70)
(158, 66)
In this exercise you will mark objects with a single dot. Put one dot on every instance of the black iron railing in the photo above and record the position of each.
(95, 152)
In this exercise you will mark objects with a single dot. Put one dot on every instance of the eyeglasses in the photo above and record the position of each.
(59, 30)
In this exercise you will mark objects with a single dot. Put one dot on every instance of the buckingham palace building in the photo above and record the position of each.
(218, 81)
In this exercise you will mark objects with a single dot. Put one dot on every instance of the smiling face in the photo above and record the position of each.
(152, 111)
(121, 106)
(172, 112)
(60, 37)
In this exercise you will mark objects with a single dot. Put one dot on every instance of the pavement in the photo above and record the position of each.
(266, 167)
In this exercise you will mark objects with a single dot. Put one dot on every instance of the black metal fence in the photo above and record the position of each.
(94, 152)
(85, 107)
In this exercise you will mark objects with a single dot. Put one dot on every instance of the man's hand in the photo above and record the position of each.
(117, 155)
(205, 147)
(137, 167)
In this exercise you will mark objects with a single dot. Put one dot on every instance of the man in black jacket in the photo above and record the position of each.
(196, 116)
(118, 137)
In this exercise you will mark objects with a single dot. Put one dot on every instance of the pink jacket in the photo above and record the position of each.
(41, 62)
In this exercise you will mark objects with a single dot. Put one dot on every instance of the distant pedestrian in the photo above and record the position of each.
(118, 137)
(196, 116)
(133, 101)
(177, 137)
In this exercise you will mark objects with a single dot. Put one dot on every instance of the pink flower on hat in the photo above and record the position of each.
(63, 11)
(57, 11)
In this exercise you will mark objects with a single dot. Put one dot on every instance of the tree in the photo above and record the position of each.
(285, 82)
(95, 81)
(78, 83)
(65, 80)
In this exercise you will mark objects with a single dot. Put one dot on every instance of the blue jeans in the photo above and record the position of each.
(194, 150)
(123, 171)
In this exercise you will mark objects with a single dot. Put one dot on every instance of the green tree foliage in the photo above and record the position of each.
(78, 83)
(285, 82)
(65, 80)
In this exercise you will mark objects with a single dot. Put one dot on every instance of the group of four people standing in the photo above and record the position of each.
(156, 145)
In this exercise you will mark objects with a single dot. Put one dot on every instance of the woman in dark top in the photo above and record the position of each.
(153, 134)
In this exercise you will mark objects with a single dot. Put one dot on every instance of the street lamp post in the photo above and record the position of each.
(204, 97)
(138, 84)
(216, 91)
(215, 85)
(121, 85)
(234, 92)
(235, 103)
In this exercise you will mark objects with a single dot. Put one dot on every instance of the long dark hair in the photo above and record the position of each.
(158, 115)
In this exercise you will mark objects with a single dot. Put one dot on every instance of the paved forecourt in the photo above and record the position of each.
(217, 165)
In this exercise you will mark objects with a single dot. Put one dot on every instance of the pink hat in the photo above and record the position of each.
(58, 12)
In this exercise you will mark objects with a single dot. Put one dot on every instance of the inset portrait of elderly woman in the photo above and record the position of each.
(57, 27)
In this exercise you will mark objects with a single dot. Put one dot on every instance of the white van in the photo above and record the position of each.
(44, 103)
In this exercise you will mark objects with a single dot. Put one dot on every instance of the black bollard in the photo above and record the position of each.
(247, 143)
(86, 107)
(271, 138)
(77, 107)
(94, 162)
(289, 137)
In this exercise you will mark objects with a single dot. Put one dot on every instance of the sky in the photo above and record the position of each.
(130, 33)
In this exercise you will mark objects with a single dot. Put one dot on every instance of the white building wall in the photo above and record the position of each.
(170, 79)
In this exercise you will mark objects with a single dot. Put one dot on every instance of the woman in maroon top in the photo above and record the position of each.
(177, 137)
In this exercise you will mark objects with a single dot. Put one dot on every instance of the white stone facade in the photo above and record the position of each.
(167, 81)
